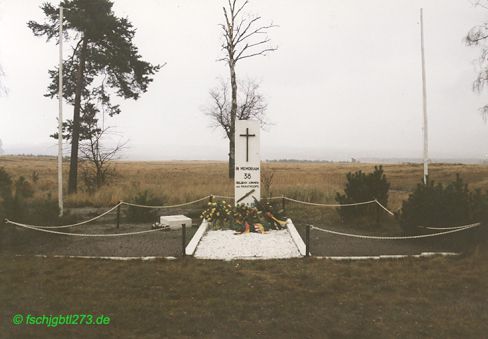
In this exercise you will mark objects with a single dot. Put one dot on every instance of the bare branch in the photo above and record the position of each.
(263, 52)
(236, 14)
(259, 30)
(479, 3)
(242, 36)
(244, 31)
(251, 46)
(474, 38)
(75, 49)
(98, 158)
(250, 105)
(238, 31)
(223, 59)
(228, 28)
(478, 36)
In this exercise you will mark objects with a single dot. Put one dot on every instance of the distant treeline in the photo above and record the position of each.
(313, 161)
(23, 155)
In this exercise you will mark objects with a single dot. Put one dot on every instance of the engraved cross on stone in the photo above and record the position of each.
(247, 135)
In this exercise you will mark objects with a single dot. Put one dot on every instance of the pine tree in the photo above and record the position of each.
(104, 62)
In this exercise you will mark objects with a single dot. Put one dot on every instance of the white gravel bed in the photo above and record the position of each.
(225, 245)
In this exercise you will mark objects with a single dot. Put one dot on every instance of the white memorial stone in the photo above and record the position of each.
(175, 221)
(247, 162)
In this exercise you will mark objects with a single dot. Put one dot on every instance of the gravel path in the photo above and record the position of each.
(28, 242)
(325, 244)
(226, 245)
(15, 241)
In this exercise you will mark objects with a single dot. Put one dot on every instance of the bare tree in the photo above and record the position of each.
(478, 36)
(97, 158)
(244, 37)
(250, 105)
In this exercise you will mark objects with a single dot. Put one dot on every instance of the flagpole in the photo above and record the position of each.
(60, 117)
(424, 101)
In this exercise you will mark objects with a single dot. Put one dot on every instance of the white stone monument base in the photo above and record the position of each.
(226, 245)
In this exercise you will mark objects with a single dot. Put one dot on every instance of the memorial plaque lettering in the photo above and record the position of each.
(248, 161)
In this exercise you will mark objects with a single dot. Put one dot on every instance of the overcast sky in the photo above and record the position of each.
(345, 81)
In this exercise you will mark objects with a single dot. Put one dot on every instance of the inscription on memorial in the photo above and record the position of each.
(248, 162)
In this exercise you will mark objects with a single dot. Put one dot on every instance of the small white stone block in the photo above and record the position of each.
(175, 221)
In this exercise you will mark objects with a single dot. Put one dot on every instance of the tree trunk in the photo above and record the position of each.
(99, 176)
(232, 162)
(233, 111)
(73, 167)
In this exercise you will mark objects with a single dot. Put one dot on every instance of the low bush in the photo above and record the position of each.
(17, 204)
(5, 193)
(362, 187)
(438, 205)
(141, 214)
(46, 212)
(13, 196)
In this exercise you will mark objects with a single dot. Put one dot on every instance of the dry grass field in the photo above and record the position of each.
(300, 298)
(182, 181)
(186, 297)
